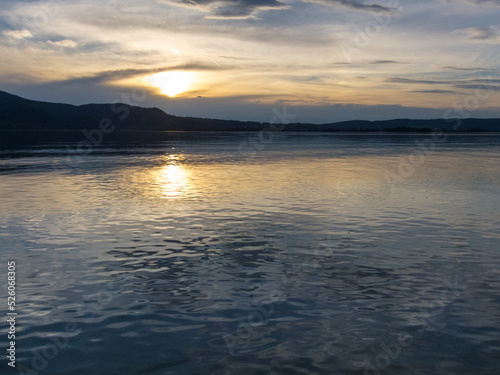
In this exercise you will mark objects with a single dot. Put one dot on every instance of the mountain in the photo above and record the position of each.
(17, 113)
(22, 114)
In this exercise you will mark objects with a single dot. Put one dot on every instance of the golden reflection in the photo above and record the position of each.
(176, 177)
(172, 180)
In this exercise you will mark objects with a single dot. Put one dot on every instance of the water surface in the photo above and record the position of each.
(187, 253)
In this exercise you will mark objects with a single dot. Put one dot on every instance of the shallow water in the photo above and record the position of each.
(187, 253)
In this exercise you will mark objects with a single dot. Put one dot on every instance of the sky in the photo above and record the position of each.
(322, 60)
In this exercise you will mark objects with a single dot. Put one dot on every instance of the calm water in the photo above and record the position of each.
(180, 253)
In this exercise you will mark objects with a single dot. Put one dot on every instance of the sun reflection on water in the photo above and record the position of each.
(174, 179)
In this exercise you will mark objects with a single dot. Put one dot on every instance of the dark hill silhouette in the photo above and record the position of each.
(17, 113)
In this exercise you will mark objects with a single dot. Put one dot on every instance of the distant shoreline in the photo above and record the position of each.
(341, 132)
(20, 114)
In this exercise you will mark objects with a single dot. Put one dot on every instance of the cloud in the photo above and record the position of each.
(236, 9)
(418, 81)
(355, 5)
(485, 80)
(462, 69)
(475, 87)
(376, 62)
(18, 34)
(435, 91)
(311, 79)
(241, 9)
(65, 43)
(484, 2)
(238, 58)
(482, 34)
(114, 75)
(177, 25)
(459, 84)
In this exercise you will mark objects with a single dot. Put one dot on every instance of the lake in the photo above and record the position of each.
(234, 253)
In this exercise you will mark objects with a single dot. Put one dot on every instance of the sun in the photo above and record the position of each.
(172, 83)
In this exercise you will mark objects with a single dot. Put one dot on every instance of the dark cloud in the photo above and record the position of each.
(464, 69)
(435, 91)
(355, 5)
(487, 80)
(386, 62)
(248, 8)
(231, 8)
(477, 83)
(481, 86)
(489, 83)
(418, 81)
(113, 75)
(374, 62)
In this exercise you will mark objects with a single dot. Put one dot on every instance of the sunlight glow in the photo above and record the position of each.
(172, 83)
(173, 179)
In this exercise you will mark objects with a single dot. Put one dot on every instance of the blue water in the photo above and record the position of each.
(223, 253)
